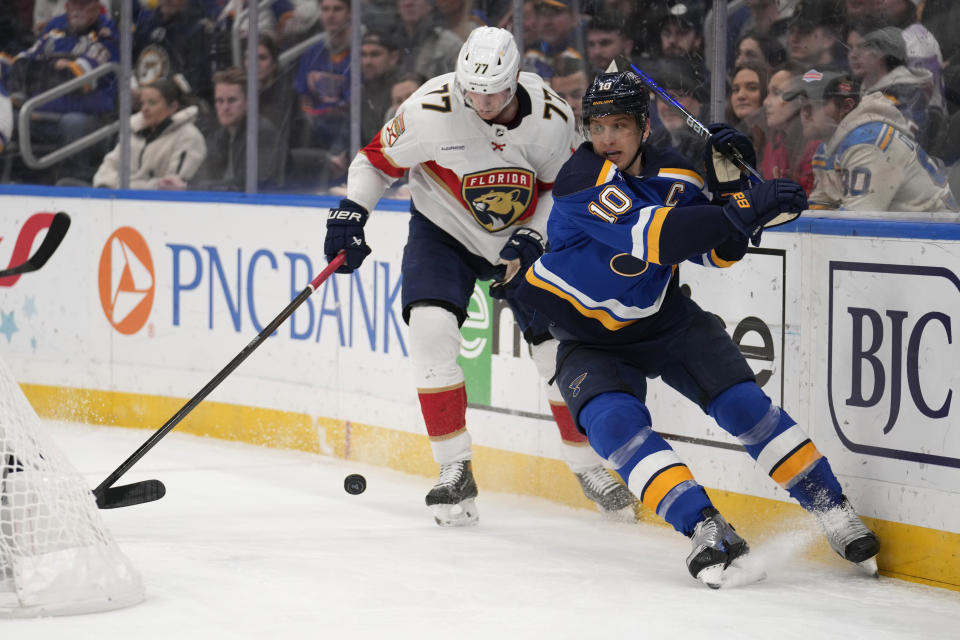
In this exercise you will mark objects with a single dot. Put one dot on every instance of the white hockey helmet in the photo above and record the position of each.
(488, 63)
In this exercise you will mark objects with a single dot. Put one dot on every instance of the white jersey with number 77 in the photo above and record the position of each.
(477, 181)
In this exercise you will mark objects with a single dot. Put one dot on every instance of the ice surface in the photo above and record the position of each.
(261, 543)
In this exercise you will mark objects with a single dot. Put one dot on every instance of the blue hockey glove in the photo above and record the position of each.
(749, 211)
(523, 248)
(723, 176)
(345, 231)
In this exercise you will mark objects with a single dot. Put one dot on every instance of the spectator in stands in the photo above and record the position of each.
(174, 39)
(379, 58)
(757, 48)
(15, 32)
(73, 44)
(856, 9)
(6, 116)
(681, 32)
(425, 45)
(877, 59)
(606, 39)
(748, 89)
(225, 166)
(571, 80)
(45, 10)
(765, 18)
(923, 50)
(942, 19)
(460, 16)
(869, 162)
(561, 34)
(278, 98)
(402, 89)
(278, 21)
(788, 153)
(323, 82)
(534, 60)
(684, 82)
(813, 34)
(166, 148)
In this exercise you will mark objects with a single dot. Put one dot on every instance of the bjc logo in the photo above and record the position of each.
(892, 360)
(21, 248)
(126, 280)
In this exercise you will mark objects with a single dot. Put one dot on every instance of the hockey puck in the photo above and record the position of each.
(355, 484)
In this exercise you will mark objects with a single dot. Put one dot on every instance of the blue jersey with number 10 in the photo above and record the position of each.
(605, 270)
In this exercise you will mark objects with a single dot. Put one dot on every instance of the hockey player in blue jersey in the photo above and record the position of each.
(624, 217)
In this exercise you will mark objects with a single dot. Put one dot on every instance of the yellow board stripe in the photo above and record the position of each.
(599, 315)
(653, 234)
(910, 552)
(795, 463)
(661, 484)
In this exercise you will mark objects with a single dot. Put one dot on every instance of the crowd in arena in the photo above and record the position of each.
(799, 75)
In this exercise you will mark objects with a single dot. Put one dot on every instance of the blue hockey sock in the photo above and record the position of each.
(818, 489)
(781, 448)
(618, 427)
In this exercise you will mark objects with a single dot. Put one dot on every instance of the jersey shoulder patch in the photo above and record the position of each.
(584, 170)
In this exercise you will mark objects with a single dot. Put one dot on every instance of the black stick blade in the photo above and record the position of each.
(128, 495)
(55, 234)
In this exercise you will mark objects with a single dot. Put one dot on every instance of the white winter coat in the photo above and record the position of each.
(871, 163)
(178, 151)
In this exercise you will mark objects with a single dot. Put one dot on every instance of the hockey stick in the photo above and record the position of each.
(734, 155)
(698, 127)
(110, 497)
(55, 234)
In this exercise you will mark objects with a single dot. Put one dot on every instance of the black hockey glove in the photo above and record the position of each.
(345, 231)
(523, 248)
(749, 211)
(723, 176)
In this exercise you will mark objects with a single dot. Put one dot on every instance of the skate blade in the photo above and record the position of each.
(740, 572)
(869, 566)
(463, 514)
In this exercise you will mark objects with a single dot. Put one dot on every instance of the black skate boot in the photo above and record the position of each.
(849, 537)
(452, 498)
(601, 487)
(715, 546)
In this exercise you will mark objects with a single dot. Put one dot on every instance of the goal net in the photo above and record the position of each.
(56, 555)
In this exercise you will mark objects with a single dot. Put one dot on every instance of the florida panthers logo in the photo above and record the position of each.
(498, 198)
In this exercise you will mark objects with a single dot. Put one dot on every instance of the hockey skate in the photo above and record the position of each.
(452, 498)
(718, 555)
(611, 497)
(849, 537)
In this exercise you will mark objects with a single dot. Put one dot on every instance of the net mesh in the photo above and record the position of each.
(56, 554)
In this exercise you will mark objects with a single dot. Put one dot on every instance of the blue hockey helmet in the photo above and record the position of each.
(615, 93)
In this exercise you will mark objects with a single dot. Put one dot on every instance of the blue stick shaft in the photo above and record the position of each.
(698, 127)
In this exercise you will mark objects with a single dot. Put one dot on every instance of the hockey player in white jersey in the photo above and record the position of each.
(483, 146)
(870, 160)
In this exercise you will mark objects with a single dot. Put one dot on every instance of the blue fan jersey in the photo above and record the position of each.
(615, 241)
